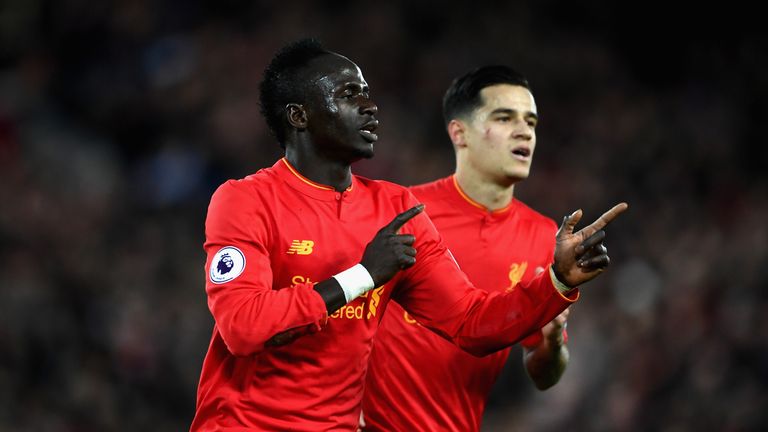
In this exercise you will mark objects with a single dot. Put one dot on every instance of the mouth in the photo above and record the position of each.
(368, 131)
(522, 153)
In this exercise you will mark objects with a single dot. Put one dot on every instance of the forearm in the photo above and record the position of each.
(335, 292)
(344, 287)
(481, 323)
(248, 318)
(441, 297)
(333, 297)
(332, 294)
(546, 363)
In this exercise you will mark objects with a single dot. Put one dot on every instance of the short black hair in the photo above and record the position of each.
(463, 96)
(282, 82)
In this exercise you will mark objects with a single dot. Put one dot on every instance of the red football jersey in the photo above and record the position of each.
(429, 384)
(273, 234)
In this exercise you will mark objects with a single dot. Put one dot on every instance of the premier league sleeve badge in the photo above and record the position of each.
(227, 264)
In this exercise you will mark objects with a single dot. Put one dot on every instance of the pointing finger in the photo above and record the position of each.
(404, 217)
(604, 220)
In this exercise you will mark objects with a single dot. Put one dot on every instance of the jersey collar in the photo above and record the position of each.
(306, 186)
(464, 197)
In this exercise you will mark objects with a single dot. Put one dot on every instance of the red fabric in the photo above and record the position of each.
(429, 384)
(273, 362)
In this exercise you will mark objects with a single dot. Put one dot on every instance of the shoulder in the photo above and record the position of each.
(533, 217)
(433, 190)
(243, 195)
(385, 189)
(248, 186)
(239, 207)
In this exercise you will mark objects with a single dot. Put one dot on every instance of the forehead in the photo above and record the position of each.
(507, 96)
(333, 70)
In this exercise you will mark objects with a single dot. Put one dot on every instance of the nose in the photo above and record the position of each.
(522, 131)
(368, 107)
(524, 135)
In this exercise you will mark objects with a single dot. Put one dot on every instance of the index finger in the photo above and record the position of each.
(604, 220)
(404, 217)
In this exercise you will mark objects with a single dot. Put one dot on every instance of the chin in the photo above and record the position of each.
(518, 176)
(358, 154)
(365, 153)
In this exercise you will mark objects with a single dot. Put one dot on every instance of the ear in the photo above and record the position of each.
(296, 115)
(456, 133)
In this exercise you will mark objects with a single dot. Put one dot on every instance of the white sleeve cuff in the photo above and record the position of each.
(354, 281)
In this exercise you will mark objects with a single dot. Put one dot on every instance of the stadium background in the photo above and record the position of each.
(119, 118)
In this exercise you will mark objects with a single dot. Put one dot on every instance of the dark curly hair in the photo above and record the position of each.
(283, 83)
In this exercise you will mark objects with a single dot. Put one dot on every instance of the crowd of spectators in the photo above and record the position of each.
(118, 119)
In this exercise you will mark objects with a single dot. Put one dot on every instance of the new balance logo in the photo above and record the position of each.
(301, 247)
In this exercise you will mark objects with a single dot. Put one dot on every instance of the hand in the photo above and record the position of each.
(290, 335)
(581, 256)
(286, 337)
(553, 331)
(390, 252)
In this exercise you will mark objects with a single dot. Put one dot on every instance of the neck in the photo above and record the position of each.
(312, 165)
(490, 194)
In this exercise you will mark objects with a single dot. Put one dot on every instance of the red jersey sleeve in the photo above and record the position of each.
(439, 295)
(247, 309)
(534, 339)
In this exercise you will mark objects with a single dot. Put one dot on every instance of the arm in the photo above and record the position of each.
(440, 297)
(546, 361)
(249, 313)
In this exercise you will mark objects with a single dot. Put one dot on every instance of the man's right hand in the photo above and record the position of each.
(580, 256)
(390, 252)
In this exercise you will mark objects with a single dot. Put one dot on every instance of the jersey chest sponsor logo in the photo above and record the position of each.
(227, 264)
(409, 319)
(356, 309)
(301, 247)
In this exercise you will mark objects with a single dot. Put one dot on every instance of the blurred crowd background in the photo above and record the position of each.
(119, 118)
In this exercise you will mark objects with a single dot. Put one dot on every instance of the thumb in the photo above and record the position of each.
(569, 222)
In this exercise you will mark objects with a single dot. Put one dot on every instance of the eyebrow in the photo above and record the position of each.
(510, 111)
(352, 85)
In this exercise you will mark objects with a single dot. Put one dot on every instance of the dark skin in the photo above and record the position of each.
(335, 126)
(327, 130)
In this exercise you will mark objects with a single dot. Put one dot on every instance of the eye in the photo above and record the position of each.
(503, 119)
(532, 123)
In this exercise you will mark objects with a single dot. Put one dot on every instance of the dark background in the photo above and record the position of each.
(119, 118)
